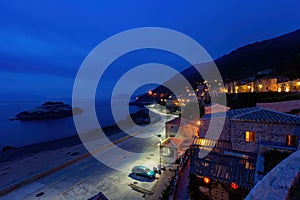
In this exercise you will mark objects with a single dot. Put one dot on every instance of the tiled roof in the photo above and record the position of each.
(257, 114)
(174, 121)
(269, 116)
(237, 112)
(172, 142)
(215, 115)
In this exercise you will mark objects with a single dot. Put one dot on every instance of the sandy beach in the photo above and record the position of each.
(25, 164)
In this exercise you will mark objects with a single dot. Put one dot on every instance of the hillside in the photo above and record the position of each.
(282, 54)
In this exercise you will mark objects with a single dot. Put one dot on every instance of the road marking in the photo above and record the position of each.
(55, 182)
(86, 166)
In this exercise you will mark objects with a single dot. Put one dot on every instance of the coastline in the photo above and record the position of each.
(27, 164)
(28, 150)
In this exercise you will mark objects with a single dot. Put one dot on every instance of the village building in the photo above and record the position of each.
(295, 85)
(172, 127)
(264, 84)
(170, 150)
(215, 108)
(236, 156)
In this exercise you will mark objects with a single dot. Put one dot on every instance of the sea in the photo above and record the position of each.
(21, 133)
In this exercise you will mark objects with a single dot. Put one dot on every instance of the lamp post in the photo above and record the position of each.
(198, 123)
(159, 156)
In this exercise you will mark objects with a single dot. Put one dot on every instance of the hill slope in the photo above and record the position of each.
(278, 53)
(282, 54)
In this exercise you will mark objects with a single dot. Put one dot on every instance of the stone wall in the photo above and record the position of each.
(277, 183)
(225, 134)
(265, 133)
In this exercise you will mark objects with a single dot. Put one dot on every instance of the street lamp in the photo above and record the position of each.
(159, 168)
(198, 123)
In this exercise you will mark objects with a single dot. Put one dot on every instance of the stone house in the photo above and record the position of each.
(246, 129)
(266, 84)
(172, 127)
(295, 85)
(235, 155)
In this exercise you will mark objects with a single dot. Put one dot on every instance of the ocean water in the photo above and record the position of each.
(20, 133)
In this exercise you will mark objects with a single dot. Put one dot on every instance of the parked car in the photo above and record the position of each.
(143, 171)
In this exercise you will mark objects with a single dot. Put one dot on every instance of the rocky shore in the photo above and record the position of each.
(48, 110)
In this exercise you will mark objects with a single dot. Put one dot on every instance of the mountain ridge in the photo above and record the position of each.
(281, 54)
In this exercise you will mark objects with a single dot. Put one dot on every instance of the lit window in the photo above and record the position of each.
(250, 136)
(291, 140)
(166, 151)
(247, 165)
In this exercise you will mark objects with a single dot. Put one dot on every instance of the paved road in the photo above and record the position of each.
(87, 177)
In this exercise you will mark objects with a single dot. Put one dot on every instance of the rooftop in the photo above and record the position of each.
(211, 158)
(257, 114)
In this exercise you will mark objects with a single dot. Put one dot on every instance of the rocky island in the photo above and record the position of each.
(48, 110)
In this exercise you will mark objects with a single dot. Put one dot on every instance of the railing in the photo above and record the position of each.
(182, 162)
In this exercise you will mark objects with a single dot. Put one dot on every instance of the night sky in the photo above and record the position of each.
(43, 43)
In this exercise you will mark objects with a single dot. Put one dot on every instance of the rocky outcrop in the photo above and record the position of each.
(7, 148)
(49, 110)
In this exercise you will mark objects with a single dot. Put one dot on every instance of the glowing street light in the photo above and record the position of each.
(198, 132)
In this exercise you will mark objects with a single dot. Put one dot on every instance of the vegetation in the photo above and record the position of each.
(243, 100)
(273, 158)
(276, 97)
(294, 192)
(294, 111)
(282, 54)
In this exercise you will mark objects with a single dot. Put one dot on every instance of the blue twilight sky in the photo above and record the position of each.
(43, 43)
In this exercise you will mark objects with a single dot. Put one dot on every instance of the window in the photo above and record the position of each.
(291, 140)
(250, 136)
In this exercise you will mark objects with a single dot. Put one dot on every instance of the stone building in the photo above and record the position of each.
(246, 129)
(264, 84)
(234, 156)
(172, 127)
(295, 85)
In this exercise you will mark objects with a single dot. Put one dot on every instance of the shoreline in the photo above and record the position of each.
(70, 141)
(45, 158)
(28, 150)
